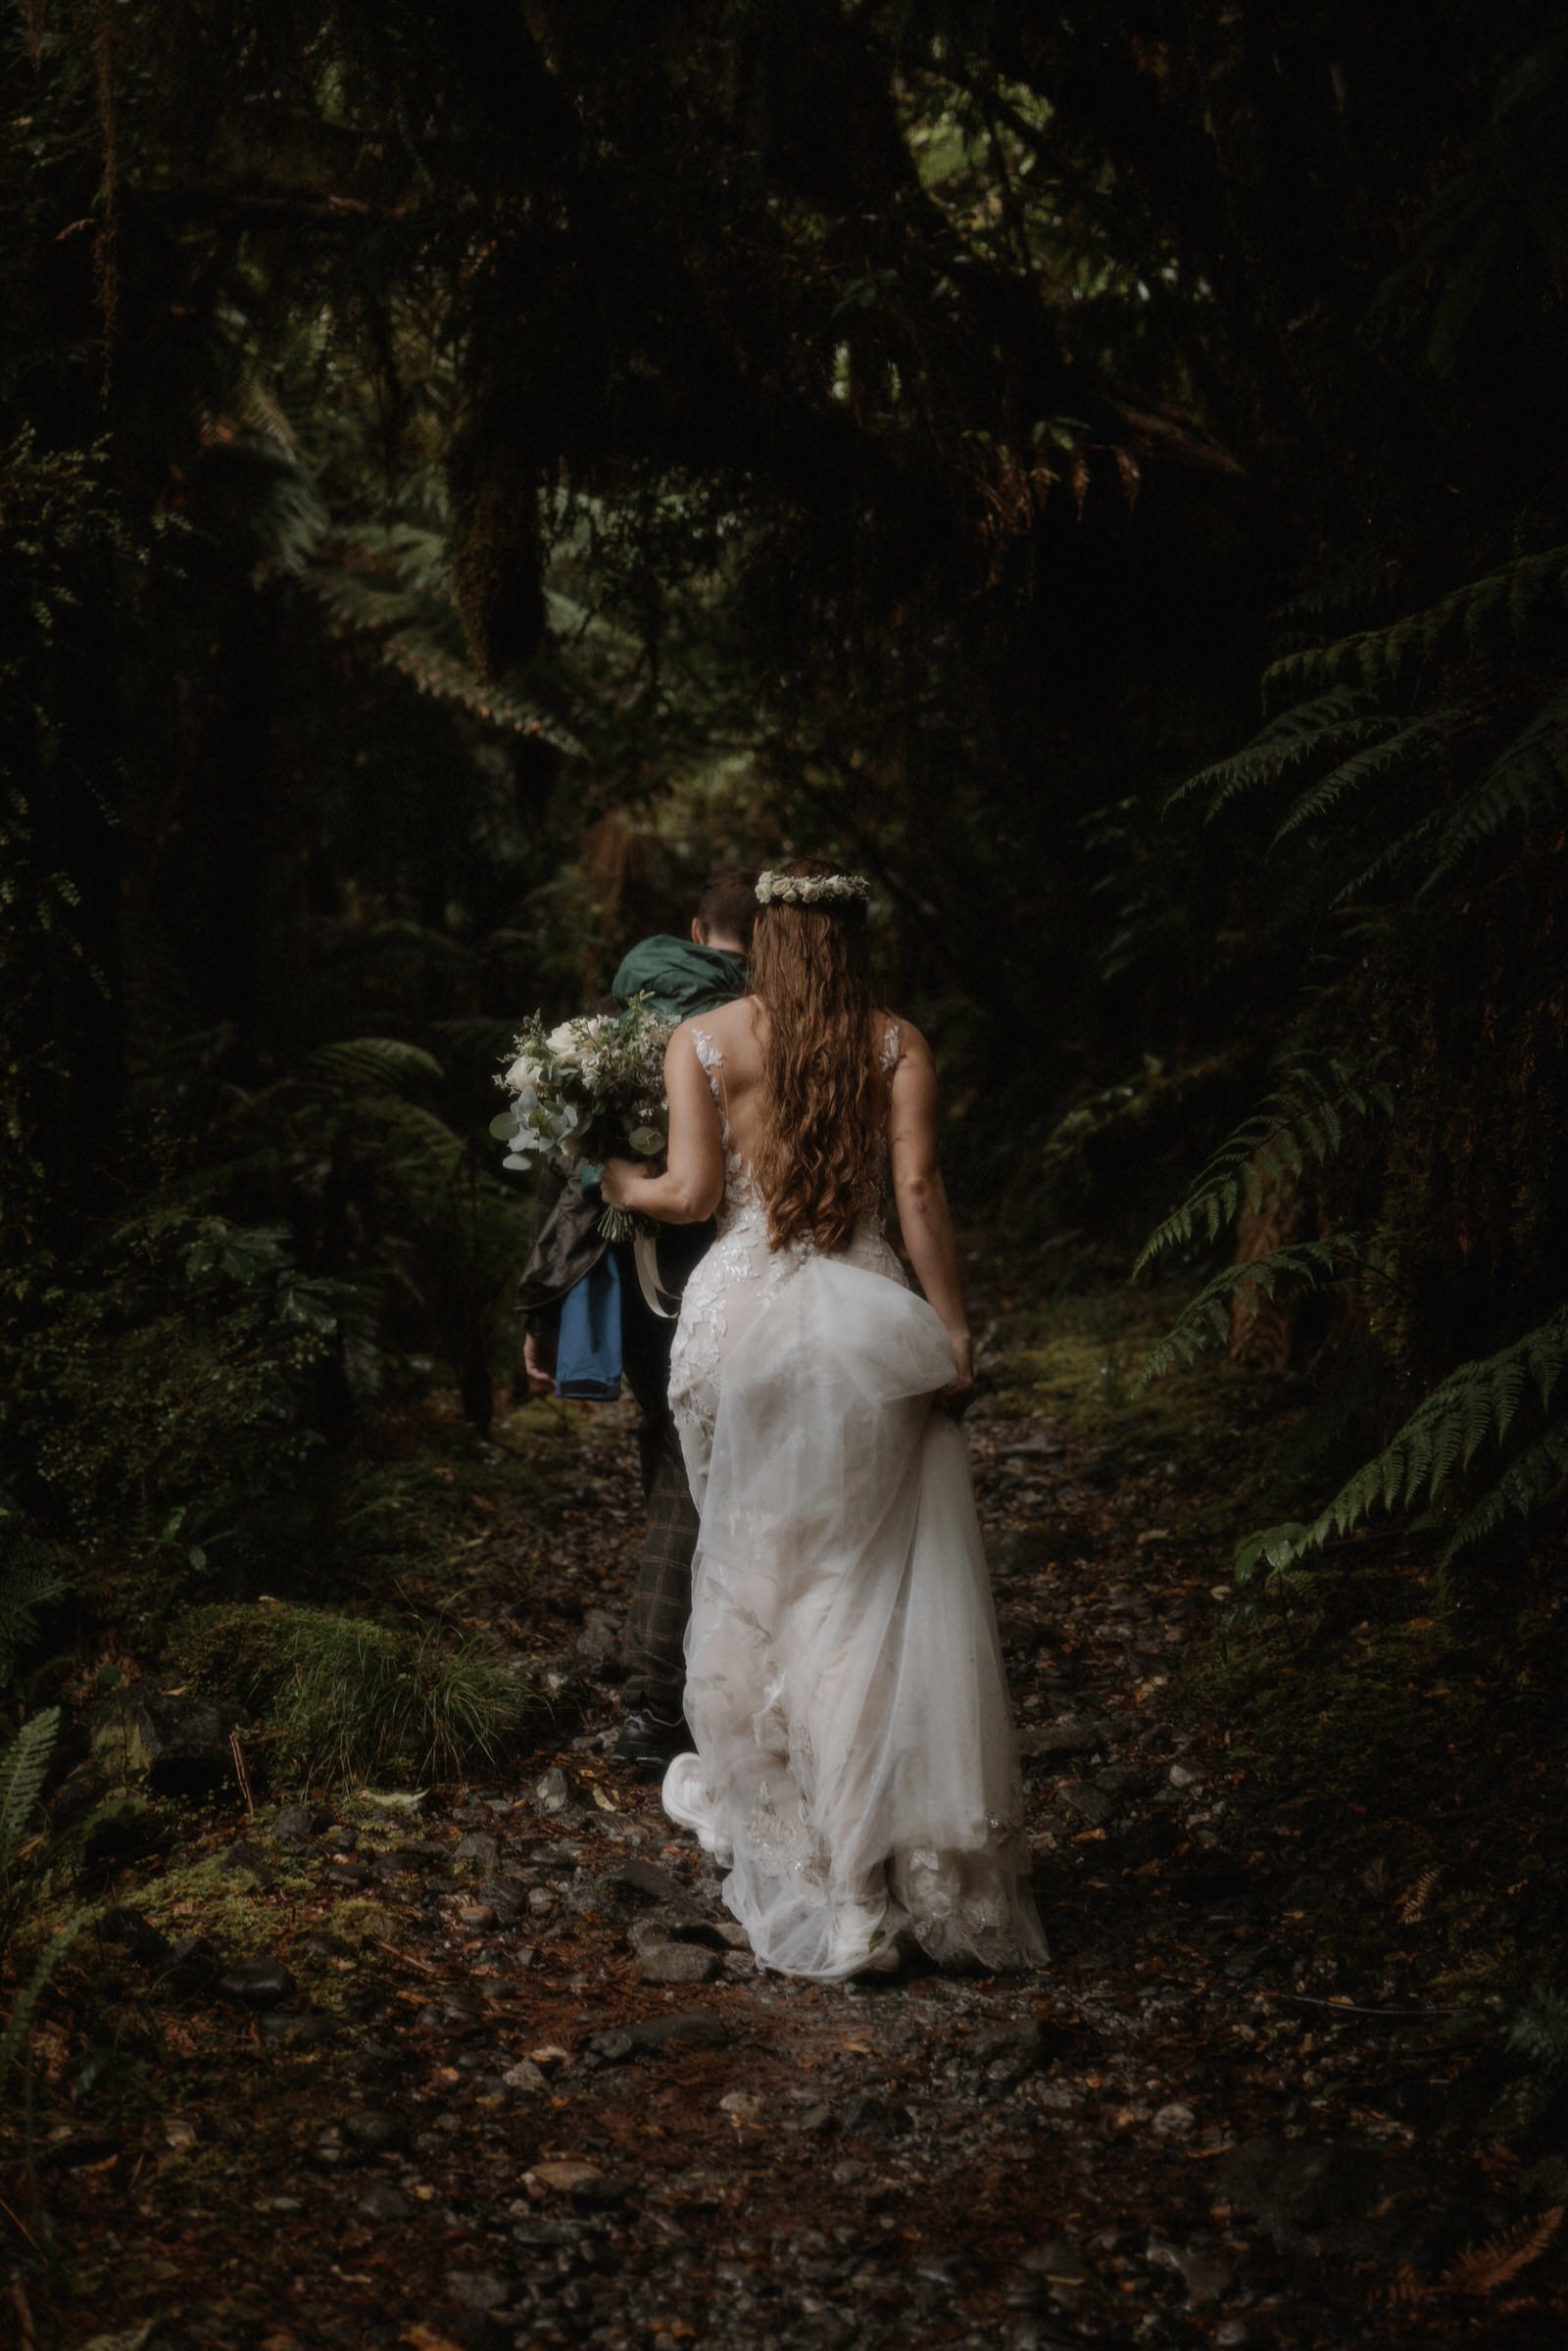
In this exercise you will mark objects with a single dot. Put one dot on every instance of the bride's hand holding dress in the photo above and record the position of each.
(856, 1769)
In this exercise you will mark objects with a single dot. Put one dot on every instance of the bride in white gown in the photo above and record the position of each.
(855, 1771)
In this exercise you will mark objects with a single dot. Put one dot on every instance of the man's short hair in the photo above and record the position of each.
(727, 908)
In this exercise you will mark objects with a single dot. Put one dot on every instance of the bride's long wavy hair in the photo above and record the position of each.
(824, 1097)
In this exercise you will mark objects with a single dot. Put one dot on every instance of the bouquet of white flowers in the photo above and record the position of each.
(590, 1088)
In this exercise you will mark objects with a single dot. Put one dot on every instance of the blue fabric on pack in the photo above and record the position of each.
(588, 1355)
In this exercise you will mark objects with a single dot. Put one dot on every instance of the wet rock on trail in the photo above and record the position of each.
(179, 1744)
(256, 1983)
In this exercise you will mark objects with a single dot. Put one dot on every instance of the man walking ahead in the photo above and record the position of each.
(685, 976)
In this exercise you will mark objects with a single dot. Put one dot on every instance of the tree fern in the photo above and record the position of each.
(1476, 1406)
(1206, 1321)
(1302, 1120)
(414, 1137)
(1522, 783)
(1484, 613)
(1379, 760)
(393, 584)
(372, 1065)
(1526, 1480)
(1334, 721)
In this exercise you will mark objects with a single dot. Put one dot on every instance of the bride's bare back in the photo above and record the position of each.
(740, 1030)
(692, 1184)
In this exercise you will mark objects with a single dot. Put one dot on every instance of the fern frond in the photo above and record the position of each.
(1331, 721)
(255, 485)
(1414, 1907)
(1521, 783)
(413, 1135)
(29, 1578)
(1539, 2031)
(23, 1767)
(372, 1065)
(1502, 603)
(394, 583)
(21, 2017)
(1529, 1479)
(1472, 1408)
(1206, 1321)
(429, 665)
(1388, 858)
(1379, 760)
(478, 1036)
(1302, 1120)
(1486, 2267)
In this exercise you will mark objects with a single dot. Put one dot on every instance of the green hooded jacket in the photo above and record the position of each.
(682, 977)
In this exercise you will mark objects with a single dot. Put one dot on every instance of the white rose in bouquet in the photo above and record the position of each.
(585, 1089)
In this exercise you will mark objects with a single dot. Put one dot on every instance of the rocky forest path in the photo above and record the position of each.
(495, 2073)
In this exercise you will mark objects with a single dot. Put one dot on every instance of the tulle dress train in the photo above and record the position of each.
(855, 1771)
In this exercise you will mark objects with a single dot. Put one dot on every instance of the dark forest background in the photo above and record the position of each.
(464, 471)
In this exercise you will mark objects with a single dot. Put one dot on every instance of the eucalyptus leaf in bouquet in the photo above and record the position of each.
(585, 1089)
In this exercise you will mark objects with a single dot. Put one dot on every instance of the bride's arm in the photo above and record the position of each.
(693, 1182)
(920, 1196)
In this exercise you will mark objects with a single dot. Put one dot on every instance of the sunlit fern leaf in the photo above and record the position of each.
(1484, 2268)
(1413, 1907)
(1206, 1321)
(1274, 1550)
(1380, 759)
(394, 584)
(373, 1064)
(1522, 783)
(1308, 1109)
(446, 675)
(23, 1767)
(1329, 723)
(1483, 612)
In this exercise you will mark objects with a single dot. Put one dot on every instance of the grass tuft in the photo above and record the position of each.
(345, 1699)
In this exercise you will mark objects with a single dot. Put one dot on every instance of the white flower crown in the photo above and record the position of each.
(810, 889)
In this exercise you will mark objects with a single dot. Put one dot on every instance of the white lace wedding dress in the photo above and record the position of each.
(856, 1769)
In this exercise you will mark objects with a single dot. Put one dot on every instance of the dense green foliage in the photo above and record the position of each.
(463, 471)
